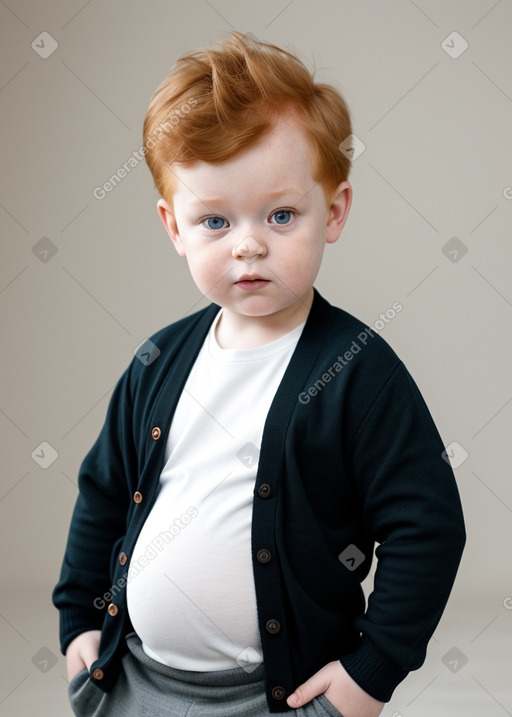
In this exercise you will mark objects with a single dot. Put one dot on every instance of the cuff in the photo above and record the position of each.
(74, 621)
(373, 670)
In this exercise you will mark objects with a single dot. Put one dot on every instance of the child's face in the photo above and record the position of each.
(254, 228)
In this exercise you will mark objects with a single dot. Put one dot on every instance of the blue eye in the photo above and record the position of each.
(282, 216)
(216, 223)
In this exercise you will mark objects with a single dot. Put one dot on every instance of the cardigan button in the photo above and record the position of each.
(156, 433)
(137, 497)
(113, 609)
(273, 626)
(278, 692)
(264, 490)
(263, 556)
(123, 558)
(97, 674)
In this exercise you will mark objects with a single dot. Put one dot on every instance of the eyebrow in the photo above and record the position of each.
(270, 195)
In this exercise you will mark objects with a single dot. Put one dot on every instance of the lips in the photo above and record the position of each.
(250, 282)
(250, 277)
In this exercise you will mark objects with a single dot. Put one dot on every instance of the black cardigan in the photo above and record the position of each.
(350, 457)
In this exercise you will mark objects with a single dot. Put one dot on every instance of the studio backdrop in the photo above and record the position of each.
(87, 273)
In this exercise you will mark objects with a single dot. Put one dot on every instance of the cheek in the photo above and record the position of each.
(200, 270)
(206, 266)
(302, 257)
(307, 265)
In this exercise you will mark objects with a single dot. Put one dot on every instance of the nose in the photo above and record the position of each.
(248, 249)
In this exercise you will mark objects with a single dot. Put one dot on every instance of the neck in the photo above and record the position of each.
(238, 331)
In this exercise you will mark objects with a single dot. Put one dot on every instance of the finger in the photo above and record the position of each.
(74, 664)
(313, 687)
(90, 650)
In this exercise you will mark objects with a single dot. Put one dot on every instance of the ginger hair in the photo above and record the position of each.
(219, 101)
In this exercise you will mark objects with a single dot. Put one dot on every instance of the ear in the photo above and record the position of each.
(338, 211)
(166, 214)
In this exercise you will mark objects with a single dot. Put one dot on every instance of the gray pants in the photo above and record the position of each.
(146, 688)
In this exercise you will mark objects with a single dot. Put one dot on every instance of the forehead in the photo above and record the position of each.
(282, 158)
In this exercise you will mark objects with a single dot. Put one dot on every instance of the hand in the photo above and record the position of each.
(82, 652)
(341, 691)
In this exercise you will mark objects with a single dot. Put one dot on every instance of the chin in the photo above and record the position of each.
(255, 307)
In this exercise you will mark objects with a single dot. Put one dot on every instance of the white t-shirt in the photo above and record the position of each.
(192, 598)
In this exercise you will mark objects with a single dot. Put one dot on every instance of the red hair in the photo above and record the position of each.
(219, 101)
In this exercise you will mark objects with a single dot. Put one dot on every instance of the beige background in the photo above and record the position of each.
(436, 166)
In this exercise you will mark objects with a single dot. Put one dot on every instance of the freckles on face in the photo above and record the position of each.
(217, 207)
(209, 269)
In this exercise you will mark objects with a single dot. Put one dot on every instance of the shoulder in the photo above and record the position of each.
(167, 336)
(357, 364)
(155, 355)
(357, 342)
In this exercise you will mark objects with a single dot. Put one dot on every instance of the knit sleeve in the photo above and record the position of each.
(412, 509)
(98, 520)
